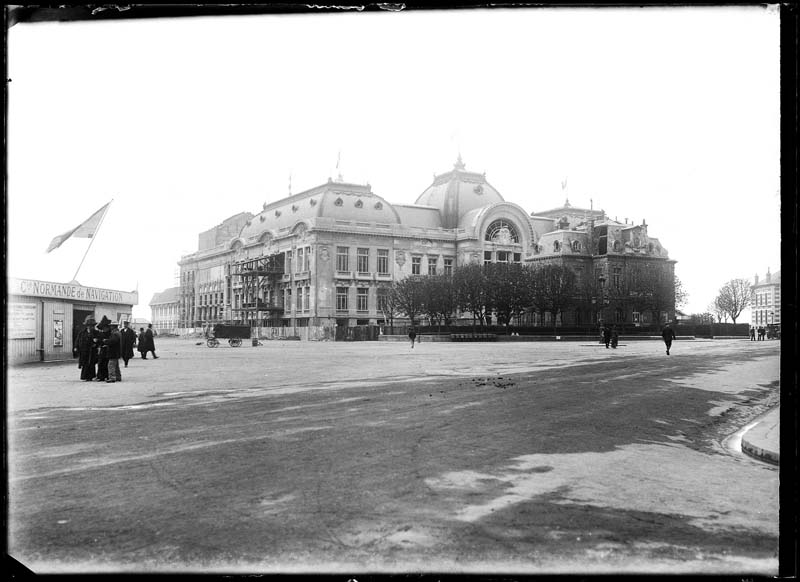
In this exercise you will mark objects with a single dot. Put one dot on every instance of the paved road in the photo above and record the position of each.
(355, 457)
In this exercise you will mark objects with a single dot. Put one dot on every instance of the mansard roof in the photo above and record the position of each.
(337, 200)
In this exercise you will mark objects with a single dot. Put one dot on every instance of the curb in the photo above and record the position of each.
(756, 442)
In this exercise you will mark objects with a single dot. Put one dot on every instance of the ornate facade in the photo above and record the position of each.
(765, 306)
(328, 255)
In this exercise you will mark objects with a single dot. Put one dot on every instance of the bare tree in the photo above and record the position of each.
(554, 289)
(734, 297)
(439, 301)
(409, 297)
(510, 290)
(472, 291)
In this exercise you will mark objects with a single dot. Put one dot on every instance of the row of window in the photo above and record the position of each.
(362, 260)
(763, 299)
(501, 257)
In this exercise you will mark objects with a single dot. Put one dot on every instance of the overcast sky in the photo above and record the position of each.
(670, 115)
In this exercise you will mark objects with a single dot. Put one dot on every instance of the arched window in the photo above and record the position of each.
(503, 232)
(616, 246)
(556, 246)
(576, 246)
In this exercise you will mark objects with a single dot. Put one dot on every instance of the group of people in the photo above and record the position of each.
(99, 347)
(611, 336)
(761, 331)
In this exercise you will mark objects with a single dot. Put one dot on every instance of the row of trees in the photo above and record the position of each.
(509, 290)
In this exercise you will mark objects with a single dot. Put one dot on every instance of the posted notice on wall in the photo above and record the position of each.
(21, 320)
(58, 332)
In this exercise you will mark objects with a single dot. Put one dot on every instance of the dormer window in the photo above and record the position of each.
(378, 205)
(576, 246)
(557, 246)
(277, 213)
(338, 202)
(359, 203)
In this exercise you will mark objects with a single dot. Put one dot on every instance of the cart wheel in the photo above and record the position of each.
(212, 342)
(235, 342)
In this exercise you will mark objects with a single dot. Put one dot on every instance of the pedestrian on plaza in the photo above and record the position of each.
(752, 333)
(142, 343)
(614, 337)
(668, 334)
(606, 335)
(103, 333)
(113, 344)
(760, 333)
(149, 336)
(127, 342)
(86, 349)
(412, 335)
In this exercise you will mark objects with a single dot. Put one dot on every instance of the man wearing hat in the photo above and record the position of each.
(112, 344)
(128, 342)
(103, 333)
(87, 351)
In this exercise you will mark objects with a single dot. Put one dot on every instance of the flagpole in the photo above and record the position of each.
(75, 278)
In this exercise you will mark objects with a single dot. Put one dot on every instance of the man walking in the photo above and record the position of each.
(127, 342)
(112, 343)
(668, 334)
(149, 335)
(606, 336)
(752, 333)
(412, 335)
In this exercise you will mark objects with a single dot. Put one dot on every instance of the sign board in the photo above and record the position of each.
(21, 320)
(67, 291)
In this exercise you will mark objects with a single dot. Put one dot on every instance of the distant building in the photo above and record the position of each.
(765, 307)
(165, 310)
(328, 256)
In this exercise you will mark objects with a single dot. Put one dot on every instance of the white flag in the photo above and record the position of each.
(85, 229)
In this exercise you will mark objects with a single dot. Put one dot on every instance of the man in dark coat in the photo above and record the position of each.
(606, 336)
(87, 351)
(150, 338)
(112, 344)
(668, 334)
(104, 332)
(127, 342)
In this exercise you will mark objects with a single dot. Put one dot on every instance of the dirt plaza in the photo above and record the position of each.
(541, 457)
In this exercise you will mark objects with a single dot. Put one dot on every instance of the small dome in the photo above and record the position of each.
(457, 192)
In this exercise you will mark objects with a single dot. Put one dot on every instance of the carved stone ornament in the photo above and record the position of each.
(400, 258)
(324, 254)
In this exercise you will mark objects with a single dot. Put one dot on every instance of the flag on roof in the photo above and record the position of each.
(86, 229)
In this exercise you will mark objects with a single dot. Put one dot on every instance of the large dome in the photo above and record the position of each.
(457, 192)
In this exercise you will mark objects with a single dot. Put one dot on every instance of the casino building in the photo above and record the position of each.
(327, 256)
(44, 317)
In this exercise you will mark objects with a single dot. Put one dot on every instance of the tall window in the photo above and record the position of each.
(383, 261)
(306, 298)
(416, 265)
(288, 263)
(362, 261)
(382, 297)
(617, 277)
(299, 299)
(362, 303)
(503, 256)
(300, 260)
(448, 266)
(287, 305)
(487, 257)
(431, 265)
(341, 298)
(342, 262)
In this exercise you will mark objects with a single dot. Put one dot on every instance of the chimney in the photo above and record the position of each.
(769, 276)
(756, 280)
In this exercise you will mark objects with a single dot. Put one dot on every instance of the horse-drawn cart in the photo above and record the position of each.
(233, 333)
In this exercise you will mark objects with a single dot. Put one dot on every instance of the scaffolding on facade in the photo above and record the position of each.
(258, 278)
